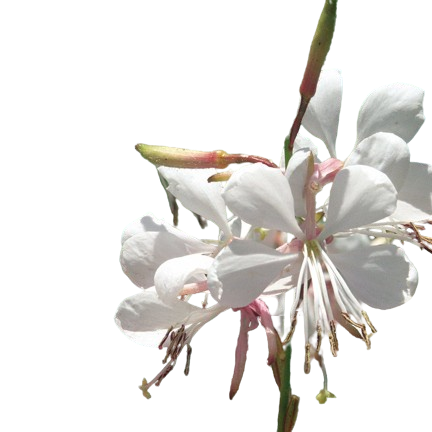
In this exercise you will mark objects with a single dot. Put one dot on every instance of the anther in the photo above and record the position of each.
(163, 375)
(188, 359)
(319, 338)
(362, 328)
(334, 343)
(165, 337)
(307, 364)
(292, 330)
(366, 317)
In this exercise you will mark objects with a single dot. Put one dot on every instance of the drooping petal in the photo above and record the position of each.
(385, 152)
(322, 116)
(242, 271)
(380, 276)
(396, 108)
(145, 318)
(415, 197)
(360, 195)
(172, 275)
(142, 254)
(191, 188)
(261, 196)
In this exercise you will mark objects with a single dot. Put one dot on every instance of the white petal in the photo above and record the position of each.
(301, 143)
(360, 195)
(349, 243)
(322, 116)
(191, 188)
(296, 174)
(385, 152)
(415, 198)
(261, 197)
(396, 108)
(142, 254)
(173, 274)
(242, 271)
(145, 318)
(145, 224)
(380, 276)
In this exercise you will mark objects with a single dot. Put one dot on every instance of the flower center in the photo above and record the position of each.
(325, 299)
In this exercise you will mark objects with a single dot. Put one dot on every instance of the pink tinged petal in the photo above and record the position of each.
(325, 172)
(385, 152)
(415, 197)
(248, 322)
(380, 276)
(261, 310)
(191, 188)
(360, 195)
(322, 116)
(242, 271)
(172, 275)
(145, 318)
(143, 253)
(396, 108)
(261, 197)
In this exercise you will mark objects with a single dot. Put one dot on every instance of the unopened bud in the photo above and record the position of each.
(182, 158)
(319, 48)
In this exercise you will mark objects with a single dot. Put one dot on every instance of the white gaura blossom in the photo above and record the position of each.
(171, 266)
(375, 192)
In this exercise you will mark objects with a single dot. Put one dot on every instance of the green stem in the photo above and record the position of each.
(285, 389)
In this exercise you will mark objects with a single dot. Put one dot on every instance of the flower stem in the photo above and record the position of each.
(288, 403)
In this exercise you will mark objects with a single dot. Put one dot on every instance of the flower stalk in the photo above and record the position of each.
(288, 403)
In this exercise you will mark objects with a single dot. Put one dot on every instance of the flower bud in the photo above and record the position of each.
(182, 158)
(319, 48)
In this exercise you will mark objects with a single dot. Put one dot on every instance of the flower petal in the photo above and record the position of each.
(242, 271)
(142, 254)
(173, 274)
(296, 173)
(415, 198)
(322, 116)
(191, 188)
(145, 318)
(385, 152)
(261, 196)
(380, 276)
(396, 108)
(359, 196)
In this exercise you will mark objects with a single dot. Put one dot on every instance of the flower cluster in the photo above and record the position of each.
(339, 257)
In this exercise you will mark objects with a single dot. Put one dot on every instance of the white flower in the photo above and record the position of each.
(360, 195)
(148, 243)
(388, 120)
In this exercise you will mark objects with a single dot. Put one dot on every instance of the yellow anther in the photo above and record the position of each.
(366, 317)
(307, 364)
(292, 329)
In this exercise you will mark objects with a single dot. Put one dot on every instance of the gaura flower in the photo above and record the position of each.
(333, 283)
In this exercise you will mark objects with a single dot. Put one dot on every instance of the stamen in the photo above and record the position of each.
(319, 338)
(334, 343)
(362, 328)
(307, 364)
(165, 337)
(188, 359)
(205, 301)
(366, 317)
(292, 329)
(164, 373)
